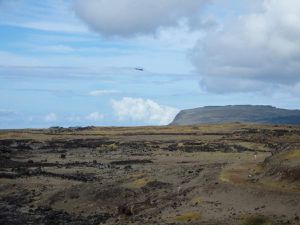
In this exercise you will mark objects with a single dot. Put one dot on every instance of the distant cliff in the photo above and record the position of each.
(237, 113)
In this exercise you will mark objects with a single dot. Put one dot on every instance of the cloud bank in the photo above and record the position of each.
(6, 113)
(143, 110)
(51, 117)
(131, 17)
(96, 93)
(258, 51)
(95, 116)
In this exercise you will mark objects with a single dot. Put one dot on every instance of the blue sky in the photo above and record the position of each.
(72, 62)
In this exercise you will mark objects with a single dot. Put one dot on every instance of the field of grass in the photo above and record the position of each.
(208, 174)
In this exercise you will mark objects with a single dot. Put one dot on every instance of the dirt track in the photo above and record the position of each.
(150, 175)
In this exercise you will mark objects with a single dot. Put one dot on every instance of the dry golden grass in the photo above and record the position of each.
(256, 220)
(194, 172)
(242, 175)
(139, 183)
(40, 134)
(197, 200)
(188, 217)
(290, 155)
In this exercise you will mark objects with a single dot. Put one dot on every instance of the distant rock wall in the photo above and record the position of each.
(237, 113)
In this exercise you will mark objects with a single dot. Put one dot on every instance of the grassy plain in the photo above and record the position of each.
(231, 174)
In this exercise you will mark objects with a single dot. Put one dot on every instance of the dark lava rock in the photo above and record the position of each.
(157, 185)
(129, 162)
(47, 216)
(125, 210)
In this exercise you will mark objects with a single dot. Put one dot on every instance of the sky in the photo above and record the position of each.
(73, 62)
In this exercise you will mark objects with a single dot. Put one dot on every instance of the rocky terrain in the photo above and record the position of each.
(259, 114)
(230, 174)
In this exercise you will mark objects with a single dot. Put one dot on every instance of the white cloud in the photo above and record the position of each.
(74, 118)
(180, 38)
(54, 49)
(12, 59)
(257, 51)
(130, 17)
(7, 113)
(55, 27)
(103, 92)
(51, 117)
(95, 116)
(143, 110)
(51, 16)
(295, 89)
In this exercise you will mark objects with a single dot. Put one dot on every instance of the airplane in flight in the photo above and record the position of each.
(139, 69)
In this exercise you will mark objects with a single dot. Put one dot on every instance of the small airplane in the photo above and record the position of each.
(139, 69)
